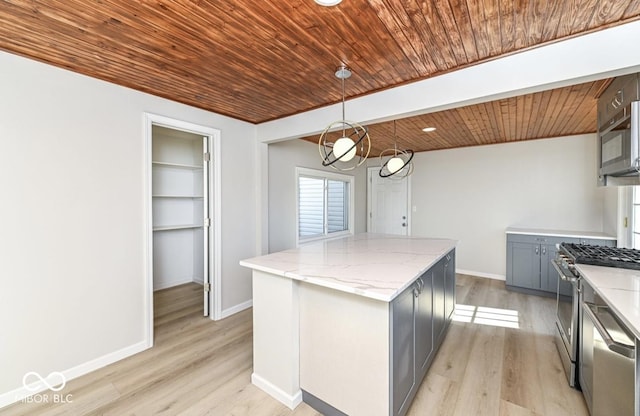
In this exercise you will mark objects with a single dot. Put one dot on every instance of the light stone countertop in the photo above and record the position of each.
(620, 288)
(561, 233)
(376, 266)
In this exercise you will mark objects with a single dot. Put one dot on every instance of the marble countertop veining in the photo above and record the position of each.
(376, 266)
(620, 288)
(560, 233)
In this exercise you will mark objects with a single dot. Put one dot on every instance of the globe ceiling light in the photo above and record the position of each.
(396, 163)
(328, 2)
(344, 145)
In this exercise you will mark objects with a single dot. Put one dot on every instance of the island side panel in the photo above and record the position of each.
(276, 337)
(344, 350)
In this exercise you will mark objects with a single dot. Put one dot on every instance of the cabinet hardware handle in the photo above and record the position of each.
(537, 250)
(618, 347)
(544, 250)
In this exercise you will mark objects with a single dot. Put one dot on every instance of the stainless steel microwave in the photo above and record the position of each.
(619, 146)
(619, 132)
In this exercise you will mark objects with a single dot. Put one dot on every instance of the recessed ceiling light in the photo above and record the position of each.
(327, 2)
(428, 129)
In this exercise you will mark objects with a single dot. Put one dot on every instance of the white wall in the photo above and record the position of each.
(283, 159)
(473, 194)
(73, 219)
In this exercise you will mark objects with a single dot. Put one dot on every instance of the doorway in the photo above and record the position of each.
(387, 204)
(183, 174)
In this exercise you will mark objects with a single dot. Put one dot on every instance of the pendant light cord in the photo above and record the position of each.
(395, 140)
(343, 117)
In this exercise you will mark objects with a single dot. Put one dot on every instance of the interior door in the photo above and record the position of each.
(388, 204)
(206, 150)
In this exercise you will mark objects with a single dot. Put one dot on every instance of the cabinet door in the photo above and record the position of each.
(548, 274)
(438, 301)
(424, 323)
(524, 264)
(403, 342)
(449, 285)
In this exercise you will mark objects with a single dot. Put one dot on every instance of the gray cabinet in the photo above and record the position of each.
(419, 318)
(529, 258)
(438, 300)
(403, 344)
(449, 285)
(523, 264)
(424, 322)
(548, 274)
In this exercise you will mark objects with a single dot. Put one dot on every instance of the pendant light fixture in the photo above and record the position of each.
(327, 3)
(344, 145)
(395, 163)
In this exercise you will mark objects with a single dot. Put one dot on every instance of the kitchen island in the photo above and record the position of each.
(351, 325)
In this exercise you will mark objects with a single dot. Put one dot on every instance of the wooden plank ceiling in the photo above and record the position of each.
(262, 60)
(553, 113)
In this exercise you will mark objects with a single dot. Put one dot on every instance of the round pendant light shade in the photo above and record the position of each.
(395, 164)
(344, 149)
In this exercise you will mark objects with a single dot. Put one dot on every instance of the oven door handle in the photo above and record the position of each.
(614, 346)
(563, 276)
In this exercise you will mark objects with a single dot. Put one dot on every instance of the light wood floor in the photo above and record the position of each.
(201, 367)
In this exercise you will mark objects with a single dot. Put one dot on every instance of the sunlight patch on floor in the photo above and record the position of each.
(484, 315)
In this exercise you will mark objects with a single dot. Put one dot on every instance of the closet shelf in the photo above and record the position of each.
(176, 165)
(179, 196)
(176, 227)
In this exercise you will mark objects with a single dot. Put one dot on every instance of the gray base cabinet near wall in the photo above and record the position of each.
(419, 318)
(529, 255)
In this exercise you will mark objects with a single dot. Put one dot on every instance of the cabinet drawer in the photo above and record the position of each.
(598, 242)
(539, 239)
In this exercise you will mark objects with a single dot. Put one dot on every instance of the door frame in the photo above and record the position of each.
(215, 235)
(373, 170)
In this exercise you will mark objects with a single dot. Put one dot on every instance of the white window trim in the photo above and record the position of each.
(626, 237)
(315, 173)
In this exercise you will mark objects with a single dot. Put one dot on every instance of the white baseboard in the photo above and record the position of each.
(235, 309)
(482, 274)
(291, 401)
(170, 283)
(75, 372)
(198, 280)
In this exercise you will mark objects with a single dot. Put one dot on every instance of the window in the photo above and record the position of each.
(324, 204)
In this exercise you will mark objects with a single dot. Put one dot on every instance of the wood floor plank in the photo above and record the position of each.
(437, 396)
(510, 409)
(201, 367)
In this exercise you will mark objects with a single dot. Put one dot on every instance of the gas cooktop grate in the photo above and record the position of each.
(625, 258)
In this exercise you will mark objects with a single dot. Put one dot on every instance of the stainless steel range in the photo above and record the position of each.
(568, 299)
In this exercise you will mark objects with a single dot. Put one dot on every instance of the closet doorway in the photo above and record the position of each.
(183, 176)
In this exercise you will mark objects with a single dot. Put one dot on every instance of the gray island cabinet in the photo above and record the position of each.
(529, 255)
(419, 318)
(351, 326)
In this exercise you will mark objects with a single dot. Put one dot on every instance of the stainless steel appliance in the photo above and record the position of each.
(568, 300)
(619, 133)
(567, 310)
(608, 358)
